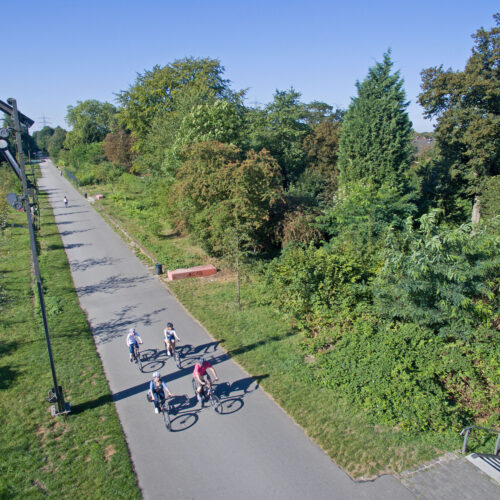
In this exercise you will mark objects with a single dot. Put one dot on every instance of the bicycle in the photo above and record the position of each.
(177, 357)
(136, 356)
(208, 394)
(165, 410)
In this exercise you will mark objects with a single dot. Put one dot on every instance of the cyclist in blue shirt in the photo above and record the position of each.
(157, 390)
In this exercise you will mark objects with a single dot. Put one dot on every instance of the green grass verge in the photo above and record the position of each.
(263, 342)
(84, 454)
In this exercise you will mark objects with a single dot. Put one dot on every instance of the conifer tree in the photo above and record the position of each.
(376, 133)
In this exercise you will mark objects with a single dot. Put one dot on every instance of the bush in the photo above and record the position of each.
(393, 371)
(314, 285)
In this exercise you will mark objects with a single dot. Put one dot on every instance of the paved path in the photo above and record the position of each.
(254, 451)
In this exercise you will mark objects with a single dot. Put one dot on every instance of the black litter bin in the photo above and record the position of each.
(158, 269)
(85, 195)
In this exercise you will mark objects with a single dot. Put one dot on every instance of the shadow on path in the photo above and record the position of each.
(111, 284)
(119, 326)
(83, 265)
(67, 233)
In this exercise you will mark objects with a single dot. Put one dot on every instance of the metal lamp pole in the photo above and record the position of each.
(62, 407)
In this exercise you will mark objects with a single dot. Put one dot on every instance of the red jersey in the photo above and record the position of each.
(200, 370)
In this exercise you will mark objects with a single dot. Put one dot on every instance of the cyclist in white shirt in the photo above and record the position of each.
(133, 341)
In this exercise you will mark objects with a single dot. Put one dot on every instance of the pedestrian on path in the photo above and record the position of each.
(65, 200)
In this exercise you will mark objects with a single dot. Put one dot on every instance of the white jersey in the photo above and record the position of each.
(169, 334)
(132, 338)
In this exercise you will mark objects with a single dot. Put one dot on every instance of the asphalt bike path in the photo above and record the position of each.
(253, 450)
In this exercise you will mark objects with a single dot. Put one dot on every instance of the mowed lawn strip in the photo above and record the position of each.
(84, 454)
(264, 343)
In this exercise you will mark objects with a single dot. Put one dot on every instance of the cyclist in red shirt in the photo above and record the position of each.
(201, 376)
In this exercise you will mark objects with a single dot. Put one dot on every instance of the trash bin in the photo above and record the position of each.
(85, 195)
(158, 268)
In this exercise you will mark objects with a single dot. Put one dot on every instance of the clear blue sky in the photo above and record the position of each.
(58, 52)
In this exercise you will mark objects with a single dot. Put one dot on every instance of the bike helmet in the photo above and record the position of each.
(156, 375)
(170, 325)
(201, 360)
(132, 330)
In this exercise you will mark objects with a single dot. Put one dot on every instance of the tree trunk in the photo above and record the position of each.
(476, 210)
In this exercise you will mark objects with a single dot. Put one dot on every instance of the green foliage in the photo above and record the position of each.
(376, 132)
(42, 137)
(317, 112)
(467, 107)
(117, 148)
(490, 199)
(4, 212)
(56, 143)
(359, 219)
(280, 128)
(160, 98)
(219, 121)
(8, 183)
(91, 121)
(84, 154)
(321, 149)
(299, 226)
(217, 186)
(392, 371)
(314, 285)
(444, 279)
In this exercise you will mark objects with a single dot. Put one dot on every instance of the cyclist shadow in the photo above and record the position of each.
(204, 349)
(244, 386)
(232, 394)
(183, 414)
(190, 354)
(153, 360)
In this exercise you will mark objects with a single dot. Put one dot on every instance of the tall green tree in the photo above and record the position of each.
(56, 142)
(91, 121)
(220, 121)
(467, 107)
(376, 133)
(42, 137)
(317, 112)
(321, 147)
(281, 129)
(160, 98)
(219, 186)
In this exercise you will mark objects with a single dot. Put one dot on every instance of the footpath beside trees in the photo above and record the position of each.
(396, 301)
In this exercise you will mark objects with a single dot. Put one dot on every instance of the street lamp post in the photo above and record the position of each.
(62, 407)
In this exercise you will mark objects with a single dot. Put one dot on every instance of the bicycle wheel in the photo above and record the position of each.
(166, 416)
(139, 362)
(214, 401)
(177, 358)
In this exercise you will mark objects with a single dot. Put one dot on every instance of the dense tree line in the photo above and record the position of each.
(387, 260)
